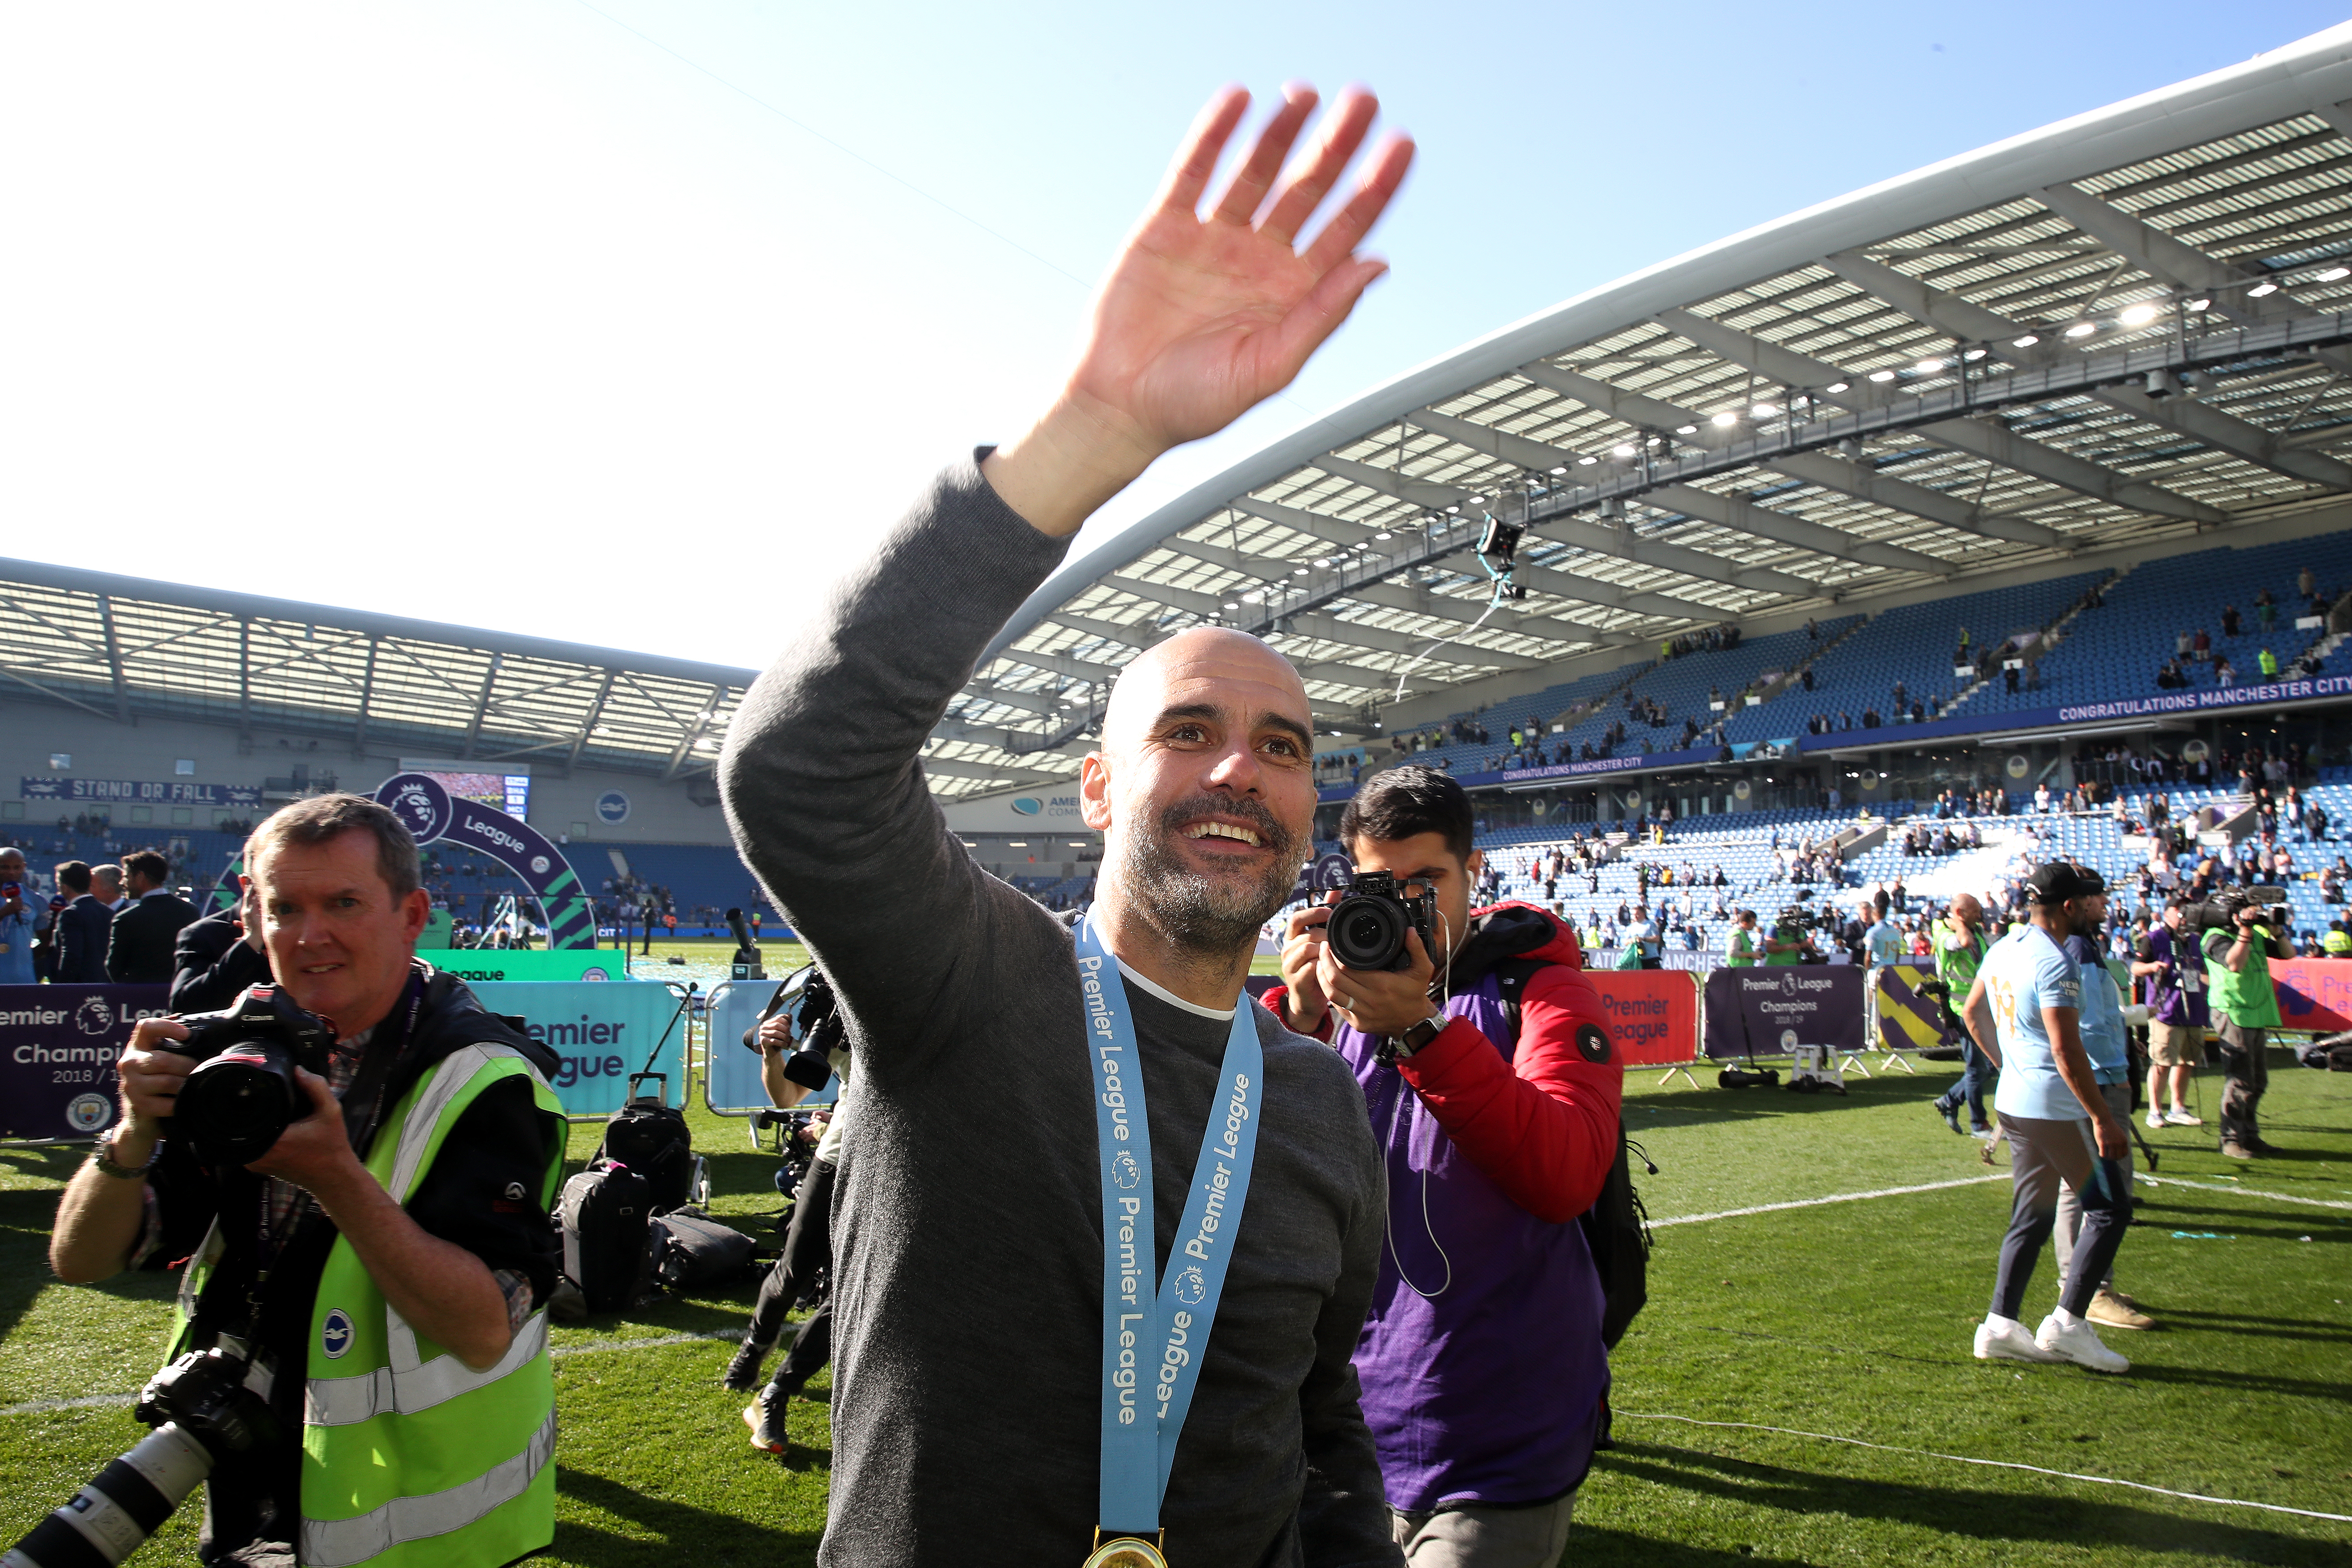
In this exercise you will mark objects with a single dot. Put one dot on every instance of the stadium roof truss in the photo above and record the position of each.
(123, 648)
(2131, 325)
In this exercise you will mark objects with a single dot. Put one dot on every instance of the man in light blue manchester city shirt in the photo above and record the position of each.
(2025, 1012)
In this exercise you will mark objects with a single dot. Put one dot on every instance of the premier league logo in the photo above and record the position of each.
(1125, 1171)
(89, 1112)
(1191, 1287)
(335, 1334)
(93, 1016)
(420, 802)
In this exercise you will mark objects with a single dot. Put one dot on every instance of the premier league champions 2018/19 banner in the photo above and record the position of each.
(1770, 1010)
(58, 1049)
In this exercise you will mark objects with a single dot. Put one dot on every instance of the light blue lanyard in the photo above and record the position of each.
(1153, 1345)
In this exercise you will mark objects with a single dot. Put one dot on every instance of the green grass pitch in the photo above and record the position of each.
(1849, 1319)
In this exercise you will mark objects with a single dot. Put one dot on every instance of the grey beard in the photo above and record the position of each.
(1199, 914)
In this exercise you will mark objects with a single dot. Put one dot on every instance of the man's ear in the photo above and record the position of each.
(1093, 792)
(414, 910)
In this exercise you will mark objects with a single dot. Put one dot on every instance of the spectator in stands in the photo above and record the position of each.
(2201, 647)
(2265, 611)
(139, 948)
(2230, 620)
(2267, 662)
(2169, 677)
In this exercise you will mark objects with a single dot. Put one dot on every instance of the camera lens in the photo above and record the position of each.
(233, 1107)
(1367, 933)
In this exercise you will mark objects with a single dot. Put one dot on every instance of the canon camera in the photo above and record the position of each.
(1368, 927)
(807, 998)
(243, 1094)
(202, 1413)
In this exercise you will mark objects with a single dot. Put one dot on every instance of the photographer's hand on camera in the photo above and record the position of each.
(1380, 1002)
(1304, 1004)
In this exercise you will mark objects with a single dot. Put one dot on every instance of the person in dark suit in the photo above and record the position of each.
(217, 957)
(139, 946)
(83, 926)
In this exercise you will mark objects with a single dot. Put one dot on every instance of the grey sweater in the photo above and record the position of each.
(968, 1227)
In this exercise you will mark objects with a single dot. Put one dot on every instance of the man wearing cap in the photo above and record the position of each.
(2025, 1010)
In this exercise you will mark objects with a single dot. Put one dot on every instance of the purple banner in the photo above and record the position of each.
(1770, 1010)
(434, 816)
(1635, 763)
(58, 1049)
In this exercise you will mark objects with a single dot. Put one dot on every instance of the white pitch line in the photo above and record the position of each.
(2241, 1192)
(1994, 1464)
(1833, 1198)
(592, 1347)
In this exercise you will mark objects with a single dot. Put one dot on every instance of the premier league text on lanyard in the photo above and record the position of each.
(1153, 1345)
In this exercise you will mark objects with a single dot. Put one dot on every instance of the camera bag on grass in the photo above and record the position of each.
(603, 1213)
(652, 1139)
(688, 1250)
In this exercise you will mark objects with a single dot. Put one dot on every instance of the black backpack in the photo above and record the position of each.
(1617, 1226)
(603, 1214)
(652, 1139)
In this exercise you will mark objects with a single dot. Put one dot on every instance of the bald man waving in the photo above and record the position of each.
(1122, 1334)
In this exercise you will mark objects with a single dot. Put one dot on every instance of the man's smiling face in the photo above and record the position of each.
(339, 940)
(1204, 788)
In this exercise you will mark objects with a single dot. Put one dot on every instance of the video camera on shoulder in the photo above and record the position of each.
(243, 1094)
(2227, 906)
(1368, 927)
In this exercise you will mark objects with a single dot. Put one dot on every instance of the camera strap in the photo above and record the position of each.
(1153, 1342)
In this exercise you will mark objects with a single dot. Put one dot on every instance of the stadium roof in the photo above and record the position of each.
(2126, 326)
(125, 647)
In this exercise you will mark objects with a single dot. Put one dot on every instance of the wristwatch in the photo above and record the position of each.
(1420, 1034)
(101, 1155)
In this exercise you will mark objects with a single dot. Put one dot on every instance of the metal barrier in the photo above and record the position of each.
(731, 1080)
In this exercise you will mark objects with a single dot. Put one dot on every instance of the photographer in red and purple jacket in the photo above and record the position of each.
(1493, 1090)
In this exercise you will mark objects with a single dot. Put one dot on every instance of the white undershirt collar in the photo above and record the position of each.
(1175, 1001)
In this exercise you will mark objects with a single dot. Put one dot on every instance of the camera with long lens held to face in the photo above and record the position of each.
(1368, 927)
(243, 1094)
(202, 1413)
(822, 1028)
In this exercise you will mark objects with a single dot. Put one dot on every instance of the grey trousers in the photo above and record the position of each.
(2070, 1201)
(1475, 1537)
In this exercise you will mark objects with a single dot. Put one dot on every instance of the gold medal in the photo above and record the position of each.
(1125, 1551)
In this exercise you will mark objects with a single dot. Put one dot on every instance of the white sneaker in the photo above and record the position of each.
(2154, 1122)
(2005, 1338)
(2079, 1344)
(2177, 1117)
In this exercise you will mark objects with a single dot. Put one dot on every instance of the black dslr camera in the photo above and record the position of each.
(243, 1094)
(202, 1413)
(1367, 926)
(821, 1029)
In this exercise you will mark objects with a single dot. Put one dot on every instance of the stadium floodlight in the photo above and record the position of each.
(1301, 572)
(1561, 469)
(1685, 429)
(1725, 419)
(2027, 341)
(1882, 375)
(1233, 606)
(1973, 355)
(2199, 305)
(1927, 367)
(1653, 441)
(1835, 387)
(1622, 449)
(2259, 290)
(2082, 329)
(2332, 274)
(1586, 462)
(1382, 535)
(1762, 411)
(2138, 315)
(1453, 511)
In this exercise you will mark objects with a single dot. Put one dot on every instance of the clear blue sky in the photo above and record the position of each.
(609, 324)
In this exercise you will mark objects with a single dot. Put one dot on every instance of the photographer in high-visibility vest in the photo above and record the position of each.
(384, 1262)
(2244, 1005)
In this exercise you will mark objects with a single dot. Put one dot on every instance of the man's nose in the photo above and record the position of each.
(1236, 768)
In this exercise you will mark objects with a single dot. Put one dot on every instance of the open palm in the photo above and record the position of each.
(1203, 318)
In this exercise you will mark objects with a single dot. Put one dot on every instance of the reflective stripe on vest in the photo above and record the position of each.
(410, 1456)
(341, 1543)
(405, 1389)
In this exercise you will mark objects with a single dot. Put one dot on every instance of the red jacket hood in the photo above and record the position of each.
(1514, 928)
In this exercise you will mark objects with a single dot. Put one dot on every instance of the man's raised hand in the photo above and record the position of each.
(1203, 317)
